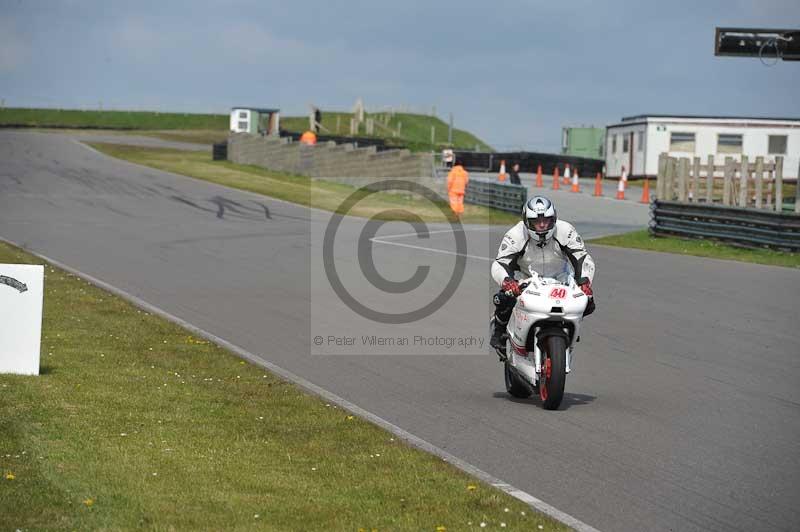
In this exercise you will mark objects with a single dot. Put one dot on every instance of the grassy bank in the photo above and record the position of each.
(414, 131)
(297, 189)
(135, 423)
(700, 248)
(152, 120)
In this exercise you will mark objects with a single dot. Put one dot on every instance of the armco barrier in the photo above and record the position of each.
(497, 195)
(735, 225)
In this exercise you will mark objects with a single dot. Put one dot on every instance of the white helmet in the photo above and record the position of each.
(539, 215)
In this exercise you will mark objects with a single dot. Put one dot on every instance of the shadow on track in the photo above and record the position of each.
(570, 399)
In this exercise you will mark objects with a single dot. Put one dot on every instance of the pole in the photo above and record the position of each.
(450, 131)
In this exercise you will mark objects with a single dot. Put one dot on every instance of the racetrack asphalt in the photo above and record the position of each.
(683, 409)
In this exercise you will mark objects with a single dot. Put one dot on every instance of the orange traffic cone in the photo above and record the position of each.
(567, 175)
(502, 175)
(576, 186)
(556, 184)
(598, 185)
(621, 189)
(539, 182)
(645, 192)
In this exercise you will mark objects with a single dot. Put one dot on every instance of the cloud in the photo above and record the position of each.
(14, 51)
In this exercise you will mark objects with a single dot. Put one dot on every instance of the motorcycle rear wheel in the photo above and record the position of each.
(554, 372)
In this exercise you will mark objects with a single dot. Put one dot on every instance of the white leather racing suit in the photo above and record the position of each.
(564, 253)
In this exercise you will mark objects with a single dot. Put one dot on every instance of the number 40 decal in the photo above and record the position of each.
(558, 293)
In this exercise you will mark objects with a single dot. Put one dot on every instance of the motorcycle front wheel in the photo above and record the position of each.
(554, 372)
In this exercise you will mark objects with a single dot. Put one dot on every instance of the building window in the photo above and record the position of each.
(640, 141)
(614, 143)
(243, 115)
(243, 126)
(777, 145)
(625, 143)
(681, 142)
(729, 143)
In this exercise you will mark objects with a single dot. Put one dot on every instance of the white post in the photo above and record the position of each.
(21, 297)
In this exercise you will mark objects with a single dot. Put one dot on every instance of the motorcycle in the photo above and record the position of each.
(540, 337)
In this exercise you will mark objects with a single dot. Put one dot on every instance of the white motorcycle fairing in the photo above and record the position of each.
(546, 306)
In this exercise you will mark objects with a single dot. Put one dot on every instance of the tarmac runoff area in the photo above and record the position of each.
(683, 409)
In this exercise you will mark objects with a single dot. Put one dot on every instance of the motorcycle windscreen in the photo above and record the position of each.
(546, 263)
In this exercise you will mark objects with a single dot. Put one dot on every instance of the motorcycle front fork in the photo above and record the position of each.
(537, 358)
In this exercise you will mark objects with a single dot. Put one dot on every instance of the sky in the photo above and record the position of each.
(512, 72)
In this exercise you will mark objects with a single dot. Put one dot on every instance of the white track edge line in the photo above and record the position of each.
(406, 436)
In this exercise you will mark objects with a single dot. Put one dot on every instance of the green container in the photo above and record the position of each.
(583, 141)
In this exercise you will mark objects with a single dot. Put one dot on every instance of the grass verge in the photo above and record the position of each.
(135, 423)
(700, 248)
(297, 189)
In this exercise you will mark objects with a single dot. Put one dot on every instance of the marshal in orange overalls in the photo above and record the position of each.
(456, 185)
(308, 138)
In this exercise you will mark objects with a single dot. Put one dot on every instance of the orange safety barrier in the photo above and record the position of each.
(539, 182)
(621, 189)
(576, 185)
(556, 184)
(598, 185)
(502, 175)
(645, 192)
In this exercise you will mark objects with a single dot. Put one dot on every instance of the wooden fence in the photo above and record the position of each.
(756, 185)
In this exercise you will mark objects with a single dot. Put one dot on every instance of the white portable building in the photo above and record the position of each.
(255, 120)
(637, 141)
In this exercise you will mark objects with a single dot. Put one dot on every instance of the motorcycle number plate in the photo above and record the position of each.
(558, 293)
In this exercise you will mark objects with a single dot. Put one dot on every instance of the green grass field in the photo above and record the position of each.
(297, 189)
(110, 119)
(415, 132)
(134, 423)
(700, 248)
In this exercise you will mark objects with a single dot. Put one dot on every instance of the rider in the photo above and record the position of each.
(539, 244)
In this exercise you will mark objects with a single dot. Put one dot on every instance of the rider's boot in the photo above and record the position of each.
(497, 340)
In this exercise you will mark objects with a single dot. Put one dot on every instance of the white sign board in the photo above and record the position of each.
(21, 296)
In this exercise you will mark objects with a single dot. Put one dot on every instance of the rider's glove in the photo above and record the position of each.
(587, 288)
(511, 287)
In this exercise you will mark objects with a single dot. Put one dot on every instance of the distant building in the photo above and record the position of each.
(255, 120)
(583, 141)
(637, 141)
